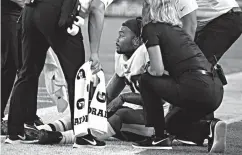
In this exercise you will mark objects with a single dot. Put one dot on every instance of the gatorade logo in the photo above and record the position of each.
(80, 103)
(81, 74)
(101, 97)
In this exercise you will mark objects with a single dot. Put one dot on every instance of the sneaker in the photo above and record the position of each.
(154, 143)
(4, 127)
(17, 139)
(217, 136)
(88, 140)
(49, 137)
(12, 140)
(31, 134)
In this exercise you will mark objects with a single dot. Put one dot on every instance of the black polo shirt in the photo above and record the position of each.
(179, 52)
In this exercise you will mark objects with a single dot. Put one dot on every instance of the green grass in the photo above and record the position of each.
(114, 147)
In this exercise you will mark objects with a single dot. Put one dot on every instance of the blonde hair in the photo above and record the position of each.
(161, 11)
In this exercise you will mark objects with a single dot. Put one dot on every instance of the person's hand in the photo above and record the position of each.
(115, 104)
(96, 65)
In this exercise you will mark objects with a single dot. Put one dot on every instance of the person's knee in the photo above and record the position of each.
(116, 122)
(121, 113)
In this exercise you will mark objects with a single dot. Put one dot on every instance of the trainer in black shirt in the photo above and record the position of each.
(191, 85)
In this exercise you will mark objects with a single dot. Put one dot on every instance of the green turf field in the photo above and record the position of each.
(114, 147)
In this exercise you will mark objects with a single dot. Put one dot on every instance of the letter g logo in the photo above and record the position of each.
(80, 103)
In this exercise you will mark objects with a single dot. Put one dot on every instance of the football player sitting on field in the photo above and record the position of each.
(125, 114)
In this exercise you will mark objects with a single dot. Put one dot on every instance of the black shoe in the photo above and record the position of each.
(4, 127)
(49, 137)
(38, 121)
(217, 136)
(88, 140)
(17, 139)
(31, 134)
(154, 143)
(12, 139)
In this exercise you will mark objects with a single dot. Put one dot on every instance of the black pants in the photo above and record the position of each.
(10, 54)
(198, 95)
(218, 36)
(40, 31)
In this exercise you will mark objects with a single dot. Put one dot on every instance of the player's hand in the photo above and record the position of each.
(115, 104)
(96, 65)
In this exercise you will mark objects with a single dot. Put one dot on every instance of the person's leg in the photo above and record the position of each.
(199, 94)
(71, 55)
(23, 97)
(151, 92)
(133, 125)
(61, 125)
(9, 51)
(186, 122)
(153, 89)
(133, 120)
(219, 35)
(179, 123)
(55, 137)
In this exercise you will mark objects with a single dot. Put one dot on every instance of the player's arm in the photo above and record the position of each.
(131, 97)
(95, 27)
(189, 22)
(114, 87)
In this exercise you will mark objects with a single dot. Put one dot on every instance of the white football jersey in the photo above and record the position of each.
(135, 65)
(131, 68)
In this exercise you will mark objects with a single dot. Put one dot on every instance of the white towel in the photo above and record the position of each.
(95, 116)
(55, 81)
(98, 106)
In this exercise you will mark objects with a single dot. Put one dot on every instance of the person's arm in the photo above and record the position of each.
(114, 87)
(156, 62)
(151, 38)
(189, 22)
(95, 27)
(187, 13)
(131, 97)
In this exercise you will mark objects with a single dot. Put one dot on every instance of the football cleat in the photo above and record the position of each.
(88, 140)
(154, 143)
(217, 136)
(49, 137)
